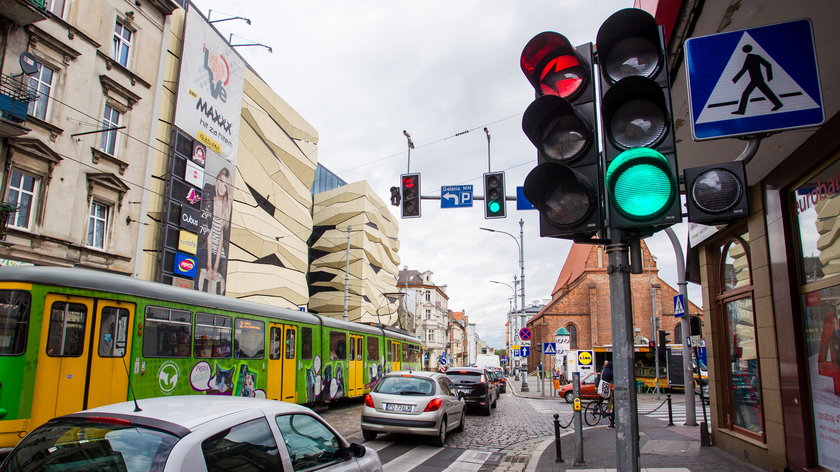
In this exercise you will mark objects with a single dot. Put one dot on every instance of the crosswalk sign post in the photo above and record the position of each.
(679, 306)
(750, 82)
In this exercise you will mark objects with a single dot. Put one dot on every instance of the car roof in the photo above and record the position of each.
(414, 373)
(191, 411)
(455, 370)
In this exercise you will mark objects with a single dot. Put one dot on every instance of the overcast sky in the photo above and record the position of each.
(361, 72)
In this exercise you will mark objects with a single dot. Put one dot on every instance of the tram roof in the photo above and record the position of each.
(125, 285)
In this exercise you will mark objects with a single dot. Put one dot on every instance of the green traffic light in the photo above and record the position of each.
(640, 183)
(494, 206)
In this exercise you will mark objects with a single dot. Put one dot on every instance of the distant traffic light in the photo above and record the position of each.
(494, 195)
(395, 196)
(641, 177)
(410, 186)
(717, 193)
(566, 185)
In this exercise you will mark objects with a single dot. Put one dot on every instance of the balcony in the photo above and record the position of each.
(14, 102)
(25, 12)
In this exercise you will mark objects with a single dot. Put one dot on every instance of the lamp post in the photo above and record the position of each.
(511, 331)
(520, 244)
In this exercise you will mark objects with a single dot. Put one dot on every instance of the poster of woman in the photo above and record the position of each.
(214, 232)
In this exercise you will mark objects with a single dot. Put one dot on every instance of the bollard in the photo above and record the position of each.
(670, 411)
(579, 460)
(557, 438)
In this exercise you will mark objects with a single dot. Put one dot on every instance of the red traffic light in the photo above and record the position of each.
(553, 66)
(408, 182)
(651, 345)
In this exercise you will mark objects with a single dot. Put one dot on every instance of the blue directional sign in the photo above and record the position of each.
(456, 196)
(679, 306)
(754, 81)
(522, 202)
(549, 348)
(524, 351)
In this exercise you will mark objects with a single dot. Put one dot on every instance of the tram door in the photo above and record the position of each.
(61, 375)
(109, 365)
(282, 361)
(357, 380)
(394, 355)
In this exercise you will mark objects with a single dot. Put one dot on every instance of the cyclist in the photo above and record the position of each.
(607, 376)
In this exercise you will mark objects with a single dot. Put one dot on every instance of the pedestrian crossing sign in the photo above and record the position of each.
(679, 306)
(549, 348)
(754, 81)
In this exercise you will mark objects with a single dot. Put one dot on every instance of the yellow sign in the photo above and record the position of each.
(187, 242)
(584, 358)
(576, 404)
(515, 347)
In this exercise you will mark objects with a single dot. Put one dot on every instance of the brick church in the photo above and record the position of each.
(580, 302)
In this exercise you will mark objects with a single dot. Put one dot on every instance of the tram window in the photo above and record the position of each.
(14, 321)
(66, 336)
(212, 336)
(249, 339)
(275, 335)
(411, 353)
(290, 344)
(306, 343)
(166, 332)
(372, 349)
(338, 346)
(390, 351)
(113, 332)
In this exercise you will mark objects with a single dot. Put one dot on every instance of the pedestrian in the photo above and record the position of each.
(607, 376)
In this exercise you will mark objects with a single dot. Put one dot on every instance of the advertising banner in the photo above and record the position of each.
(187, 242)
(185, 265)
(209, 101)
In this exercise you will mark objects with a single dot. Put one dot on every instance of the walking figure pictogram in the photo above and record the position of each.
(753, 64)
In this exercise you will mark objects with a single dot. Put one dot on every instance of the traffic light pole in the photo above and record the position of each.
(621, 306)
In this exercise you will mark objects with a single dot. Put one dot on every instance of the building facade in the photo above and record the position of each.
(432, 320)
(80, 80)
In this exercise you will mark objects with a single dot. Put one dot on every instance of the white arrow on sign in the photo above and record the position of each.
(452, 196)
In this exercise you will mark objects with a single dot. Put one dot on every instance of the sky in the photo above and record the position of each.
(361, 72)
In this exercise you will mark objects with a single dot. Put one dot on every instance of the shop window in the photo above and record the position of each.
(743, 404)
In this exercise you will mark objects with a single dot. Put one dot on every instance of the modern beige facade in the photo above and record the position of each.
(78, 188)
(354, 211)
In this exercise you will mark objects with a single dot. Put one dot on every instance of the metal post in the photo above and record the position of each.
(578, 421)
(558, 447)
(524, 387)
(347, 276)
(621, 307)
(685, 328)
(670, 411)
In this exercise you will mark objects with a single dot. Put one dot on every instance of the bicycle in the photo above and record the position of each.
(598, 409)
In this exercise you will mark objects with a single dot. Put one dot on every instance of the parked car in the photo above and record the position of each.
(423, 403)
(476, 385)
(188, 433)
(588, 388)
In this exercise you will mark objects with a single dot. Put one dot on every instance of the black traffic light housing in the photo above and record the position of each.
(640, 165)
(561, 123)
(410, 188)
(663, 345)
(718, 193)
(695, 326)
(494, 195)
(395, 196)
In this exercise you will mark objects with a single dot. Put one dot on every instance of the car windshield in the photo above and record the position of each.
(75, 445)
(405, 386)
(464, 377)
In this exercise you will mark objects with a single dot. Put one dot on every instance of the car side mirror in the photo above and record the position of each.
(358, 450)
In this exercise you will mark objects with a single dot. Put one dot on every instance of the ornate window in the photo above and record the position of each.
(121, 45)
(573, 339)
(743, 410)
(42, 81)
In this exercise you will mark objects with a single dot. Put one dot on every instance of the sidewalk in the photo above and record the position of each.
(662, 447)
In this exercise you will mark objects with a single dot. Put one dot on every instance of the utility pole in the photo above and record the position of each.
(347, 275)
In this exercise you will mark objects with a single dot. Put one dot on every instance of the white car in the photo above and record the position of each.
(190, 433)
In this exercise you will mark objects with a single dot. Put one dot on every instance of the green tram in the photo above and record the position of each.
(72, 339)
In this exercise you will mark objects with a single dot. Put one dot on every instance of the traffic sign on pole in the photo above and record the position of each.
(549, 348)
(679, 306)
(753, 81)
(456, 196)
(525, 334)
(524, 351)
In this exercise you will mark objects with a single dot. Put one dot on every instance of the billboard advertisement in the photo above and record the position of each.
(209, 100)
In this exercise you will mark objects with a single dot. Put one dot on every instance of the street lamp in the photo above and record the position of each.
(521, 245)
(511, 326)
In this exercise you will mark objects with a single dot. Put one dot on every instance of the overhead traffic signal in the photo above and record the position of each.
(410, 187)
(494, 195)
(566, 184)
(640, 176)
(717, 193)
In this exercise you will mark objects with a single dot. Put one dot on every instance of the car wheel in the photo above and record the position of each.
(487, 409)
(440, 440)
(460, 427)
(569, 397)
(368, 435)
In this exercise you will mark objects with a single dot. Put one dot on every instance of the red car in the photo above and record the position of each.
(588, 388)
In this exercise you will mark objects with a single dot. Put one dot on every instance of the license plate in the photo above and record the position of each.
(398, 407)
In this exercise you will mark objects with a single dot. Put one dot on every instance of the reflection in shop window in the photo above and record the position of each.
(816, 206)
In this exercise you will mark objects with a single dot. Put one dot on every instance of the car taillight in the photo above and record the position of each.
(483, 379)
(369, 401)
(434, 405)
(109, 419)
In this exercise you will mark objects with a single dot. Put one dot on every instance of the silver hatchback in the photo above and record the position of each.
(422, 403)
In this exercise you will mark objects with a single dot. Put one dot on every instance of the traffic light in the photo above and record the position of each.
(410, 186)
(494, 195)
(663, 345)
(641, 177)
(395, 196)
(651, 346)
(717, 193)
(565, 186)
(695, 326)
